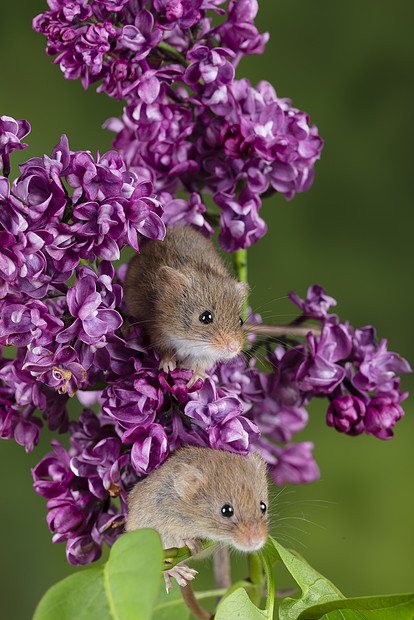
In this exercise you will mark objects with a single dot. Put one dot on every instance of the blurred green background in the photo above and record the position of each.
(350, 66)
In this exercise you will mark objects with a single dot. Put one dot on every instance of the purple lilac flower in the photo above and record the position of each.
(316, 304)
(348, 365)
(381, 416)
(27, 324)
(209, 65)
(183, 12)
(180, 212)
(207, 408)
(217, 138)
(347, 414)
(293, 463)
(60, 369)
(187, 126)
(76, 481)
(92, 321)
(237, 135)
(239, 32)
(321, 373)
(149, 447)
(11, 134)
(378, 368)
(235, 433)
(121, 402)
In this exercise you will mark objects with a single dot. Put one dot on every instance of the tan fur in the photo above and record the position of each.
(183, 499)
(170, 283)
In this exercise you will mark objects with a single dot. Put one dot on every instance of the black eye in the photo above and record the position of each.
(263, 507)
(227, 511)
(241, 321)
(206, 317)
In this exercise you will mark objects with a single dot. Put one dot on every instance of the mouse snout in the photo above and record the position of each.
(233, 347)
(229, 347)
(250, 536)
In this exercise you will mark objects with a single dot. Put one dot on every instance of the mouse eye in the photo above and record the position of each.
(226, 511)
(263, 507)
(206, 317)
(241, 321)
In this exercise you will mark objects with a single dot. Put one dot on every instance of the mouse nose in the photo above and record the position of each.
(233, 347)
(250, 536)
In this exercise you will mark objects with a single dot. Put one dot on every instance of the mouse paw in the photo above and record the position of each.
(194, 545)
(168, 362)
(195, 377)
(181, 573)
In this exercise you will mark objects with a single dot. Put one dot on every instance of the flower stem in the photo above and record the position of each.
(257, 578)
(268, 329)
(171, 50)
(240, 261)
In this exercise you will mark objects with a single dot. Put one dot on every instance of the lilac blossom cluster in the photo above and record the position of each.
(357, 374)
(188, 124)
(63, 221)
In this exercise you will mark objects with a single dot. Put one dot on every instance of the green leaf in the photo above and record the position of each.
(393, 607)
(316, 589)
(170, 606)
(237, 605)
(125, 588)
(321, 599)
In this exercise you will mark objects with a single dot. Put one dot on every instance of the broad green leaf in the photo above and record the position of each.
(238, 605)
(393, 607)
(170, 606)
(316, 589)
(125, 588)
(80, 596)
(321, 599)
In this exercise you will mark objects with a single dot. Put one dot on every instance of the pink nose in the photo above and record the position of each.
(232, 347)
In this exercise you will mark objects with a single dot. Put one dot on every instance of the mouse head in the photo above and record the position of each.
(226, 494)
(202, 313)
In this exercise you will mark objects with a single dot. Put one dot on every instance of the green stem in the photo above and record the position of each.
(256, 577)
(240, 261)
(270, 579)
(171, 50)
(175, 555)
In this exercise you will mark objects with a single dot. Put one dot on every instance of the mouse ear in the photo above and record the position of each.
(256, 459)
(244, 288)
(187, 479)
(171, 278)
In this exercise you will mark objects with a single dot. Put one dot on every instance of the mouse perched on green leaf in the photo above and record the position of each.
(201, 493)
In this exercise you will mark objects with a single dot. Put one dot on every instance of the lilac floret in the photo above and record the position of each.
(209, 65)
(235, 433)
(140, 37)
(293, 463)
(378, 368)
(29, 323)
(316, 304)
(208, 408)
(11, 134)
(60, 369)
(149, 448)
(185, 13)
(347, 415)
(92, 321)
(321, 373)
(381, 416)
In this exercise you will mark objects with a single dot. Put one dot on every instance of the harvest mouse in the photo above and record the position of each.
(186, 300)
(201, 493)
